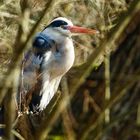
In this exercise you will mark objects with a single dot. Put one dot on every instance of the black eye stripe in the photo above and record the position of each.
(58, 23)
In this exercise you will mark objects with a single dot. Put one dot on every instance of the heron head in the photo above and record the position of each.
(65, 27)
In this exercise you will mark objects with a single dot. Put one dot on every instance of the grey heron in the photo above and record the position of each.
(52, 55)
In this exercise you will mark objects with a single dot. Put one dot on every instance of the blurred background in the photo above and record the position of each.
(104, 83)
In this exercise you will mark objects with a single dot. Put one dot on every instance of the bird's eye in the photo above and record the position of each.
(63, 27)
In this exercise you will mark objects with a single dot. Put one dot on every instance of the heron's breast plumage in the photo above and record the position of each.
(49, 61)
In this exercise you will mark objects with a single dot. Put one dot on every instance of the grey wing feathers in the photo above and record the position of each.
(34, 58)
(33, 71)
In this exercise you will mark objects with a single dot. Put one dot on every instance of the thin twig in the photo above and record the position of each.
(17, 135)
(66, 119)
(107, 87)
